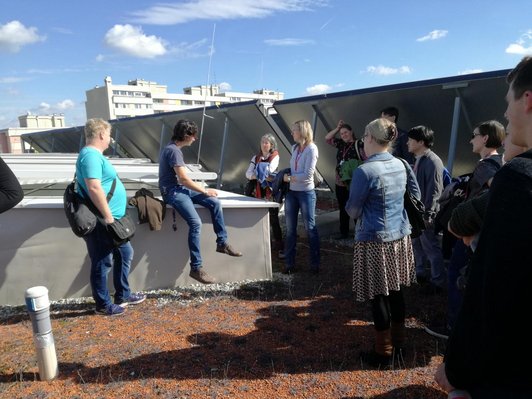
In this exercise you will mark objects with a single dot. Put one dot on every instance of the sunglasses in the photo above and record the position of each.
(475, 135)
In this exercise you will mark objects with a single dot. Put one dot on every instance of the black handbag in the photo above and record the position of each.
(122, 230)
(415, 209)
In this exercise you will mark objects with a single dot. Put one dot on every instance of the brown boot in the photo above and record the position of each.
(381, 355)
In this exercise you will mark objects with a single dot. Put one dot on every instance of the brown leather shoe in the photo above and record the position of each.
(227, 249)
(202, 276)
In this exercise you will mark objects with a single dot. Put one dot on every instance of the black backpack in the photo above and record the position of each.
(453, 195)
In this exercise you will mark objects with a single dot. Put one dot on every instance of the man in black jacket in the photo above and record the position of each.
(489, 350)
(10, 191)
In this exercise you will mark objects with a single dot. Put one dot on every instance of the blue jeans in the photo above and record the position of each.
(104, 256)
(183, 200)
(427, 246)
(306, 201)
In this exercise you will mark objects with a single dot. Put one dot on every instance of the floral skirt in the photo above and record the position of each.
(380, 267)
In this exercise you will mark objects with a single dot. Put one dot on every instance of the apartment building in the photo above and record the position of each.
(142, 97)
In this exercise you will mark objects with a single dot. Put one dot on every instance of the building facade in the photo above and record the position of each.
(142, 97)
(10, 141)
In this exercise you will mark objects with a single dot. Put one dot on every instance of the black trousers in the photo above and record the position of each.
(342, 195)
(388, 308)
(276, 226)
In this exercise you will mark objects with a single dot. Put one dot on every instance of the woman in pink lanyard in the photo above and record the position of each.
(301, 196)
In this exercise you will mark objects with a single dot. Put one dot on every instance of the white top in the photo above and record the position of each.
(272, 167)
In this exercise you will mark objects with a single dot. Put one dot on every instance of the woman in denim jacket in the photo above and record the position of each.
(383, 258)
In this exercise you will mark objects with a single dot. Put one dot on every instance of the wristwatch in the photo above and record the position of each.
(289, 177)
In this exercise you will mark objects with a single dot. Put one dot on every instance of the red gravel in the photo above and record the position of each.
(299, 339)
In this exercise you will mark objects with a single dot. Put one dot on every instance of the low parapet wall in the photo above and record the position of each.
(38, 248)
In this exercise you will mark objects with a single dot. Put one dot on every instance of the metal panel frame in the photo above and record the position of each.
(231, 132)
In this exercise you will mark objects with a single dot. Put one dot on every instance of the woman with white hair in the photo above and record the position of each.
(383, 259)
(260, 174)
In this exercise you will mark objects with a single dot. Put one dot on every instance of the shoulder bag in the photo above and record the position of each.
(122, 230)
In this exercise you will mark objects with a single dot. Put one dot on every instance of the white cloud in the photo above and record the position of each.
(65, 104)
(132, 41)
(60, 106)
(34, 71)
(434, 35)
(523, 46)
(44, 106)
(100, 58)
(470, 71)
(224, 86)
(14, 35)
(384, 70)
(318, 89)
(196, 49)
(191, 10)
(12, 91)
(12, 79)
(288, 42)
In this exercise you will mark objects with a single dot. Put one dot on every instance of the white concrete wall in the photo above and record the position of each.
(38, 248)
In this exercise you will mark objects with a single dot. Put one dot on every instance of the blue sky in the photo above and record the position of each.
(51, 52)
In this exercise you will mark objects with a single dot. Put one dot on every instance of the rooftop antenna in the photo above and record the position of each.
(205, 96)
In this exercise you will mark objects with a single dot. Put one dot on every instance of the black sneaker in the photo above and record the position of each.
(438, 330)
(202, 276)
(133, 299)
(227, 249)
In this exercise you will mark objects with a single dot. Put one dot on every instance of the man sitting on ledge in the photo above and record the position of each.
(180, 191)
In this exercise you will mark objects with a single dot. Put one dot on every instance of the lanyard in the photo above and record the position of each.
(344, 152)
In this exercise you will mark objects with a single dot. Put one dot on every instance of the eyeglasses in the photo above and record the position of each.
(475, 135)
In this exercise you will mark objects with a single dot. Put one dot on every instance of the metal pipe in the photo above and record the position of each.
(454, 134)
(224, 140)
(38, 306)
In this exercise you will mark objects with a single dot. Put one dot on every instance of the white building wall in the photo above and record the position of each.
(10, 141)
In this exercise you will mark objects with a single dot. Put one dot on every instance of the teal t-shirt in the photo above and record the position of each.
(91, 164)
